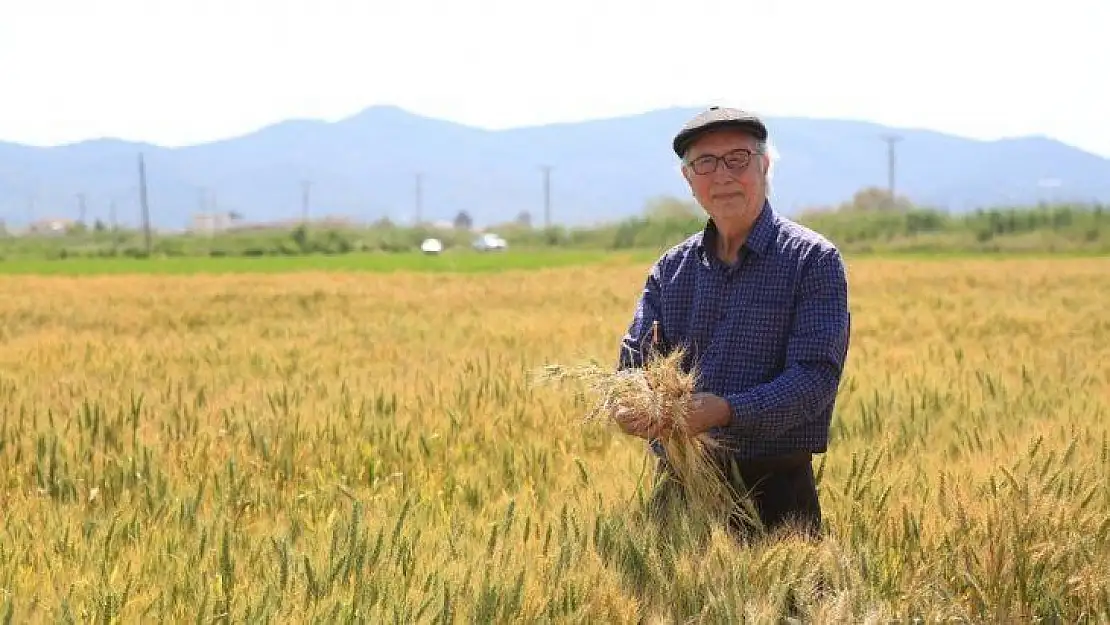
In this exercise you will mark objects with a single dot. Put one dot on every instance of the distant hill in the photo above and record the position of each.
(365, 167)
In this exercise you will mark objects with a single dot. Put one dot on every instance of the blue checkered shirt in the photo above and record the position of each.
(769, 334)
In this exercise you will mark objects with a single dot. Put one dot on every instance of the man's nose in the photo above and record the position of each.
(723, 174)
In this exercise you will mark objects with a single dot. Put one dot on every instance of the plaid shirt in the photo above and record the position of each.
(769, 334)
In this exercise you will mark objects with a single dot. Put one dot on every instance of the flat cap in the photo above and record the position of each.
(717, 117)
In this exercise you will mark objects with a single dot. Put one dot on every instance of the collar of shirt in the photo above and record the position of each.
(759, 240)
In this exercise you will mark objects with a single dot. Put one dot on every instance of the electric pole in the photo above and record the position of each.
(306, 189)
(419, 198)
(891, 164)
(546, 196)
(81, 208)
(145, 206)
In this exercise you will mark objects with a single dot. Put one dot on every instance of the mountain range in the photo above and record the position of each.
(367, 166)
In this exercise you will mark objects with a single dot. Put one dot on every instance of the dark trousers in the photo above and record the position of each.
(782, 493)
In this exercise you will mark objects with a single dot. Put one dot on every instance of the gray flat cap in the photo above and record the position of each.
(716, 117)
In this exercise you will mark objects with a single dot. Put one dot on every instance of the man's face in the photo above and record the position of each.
(731, 189)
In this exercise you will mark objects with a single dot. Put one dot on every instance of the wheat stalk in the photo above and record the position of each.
(663, 391)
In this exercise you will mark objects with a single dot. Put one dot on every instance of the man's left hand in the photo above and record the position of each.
(707, 411)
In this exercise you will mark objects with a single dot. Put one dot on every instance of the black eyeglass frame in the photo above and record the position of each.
(707, 163)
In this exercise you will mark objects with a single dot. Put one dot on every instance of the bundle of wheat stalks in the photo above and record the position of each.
(663, 392)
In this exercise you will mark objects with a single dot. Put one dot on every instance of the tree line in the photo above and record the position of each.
(871, 221)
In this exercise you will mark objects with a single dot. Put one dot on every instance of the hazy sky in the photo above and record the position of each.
(186, 71)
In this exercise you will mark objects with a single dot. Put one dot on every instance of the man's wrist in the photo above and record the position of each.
(724, 414)
(715, 413)
(742, 408)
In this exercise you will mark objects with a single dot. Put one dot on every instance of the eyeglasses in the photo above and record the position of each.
(736, 160)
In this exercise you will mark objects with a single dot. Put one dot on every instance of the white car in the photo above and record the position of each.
(490, 242)
(431, 246)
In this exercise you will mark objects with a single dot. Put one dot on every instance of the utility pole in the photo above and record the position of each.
(891, 164)
(112, 214)
(145, 206)
(306, 190)
(546, 196)
(419, 198)
(81, 208)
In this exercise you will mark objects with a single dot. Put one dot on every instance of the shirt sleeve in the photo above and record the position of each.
(815, 357)
(637, 339)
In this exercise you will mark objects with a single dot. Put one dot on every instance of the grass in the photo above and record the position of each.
(453, 261)
(369, 446)
(457, 261)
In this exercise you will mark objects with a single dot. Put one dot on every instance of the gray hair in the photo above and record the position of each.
(768, 147)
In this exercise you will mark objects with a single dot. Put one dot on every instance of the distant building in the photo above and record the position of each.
(210, 223)
(54, 226)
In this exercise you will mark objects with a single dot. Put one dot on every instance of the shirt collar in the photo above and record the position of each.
(759, 239)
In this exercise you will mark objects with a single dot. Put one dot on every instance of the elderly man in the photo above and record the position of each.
(761, 305)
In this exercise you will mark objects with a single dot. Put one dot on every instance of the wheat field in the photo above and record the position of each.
(371, 448)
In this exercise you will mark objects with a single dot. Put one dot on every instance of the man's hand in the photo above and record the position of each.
(707, 411)
(635, 423)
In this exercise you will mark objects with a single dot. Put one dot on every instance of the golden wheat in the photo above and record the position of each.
(370, 447)
(661, 393)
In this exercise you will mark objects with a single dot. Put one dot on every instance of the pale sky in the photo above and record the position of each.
(177, 72)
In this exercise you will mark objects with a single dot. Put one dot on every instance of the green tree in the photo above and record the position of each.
(665, 207)
(463, 221)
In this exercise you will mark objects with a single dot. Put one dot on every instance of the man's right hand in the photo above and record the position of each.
(635, 423)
